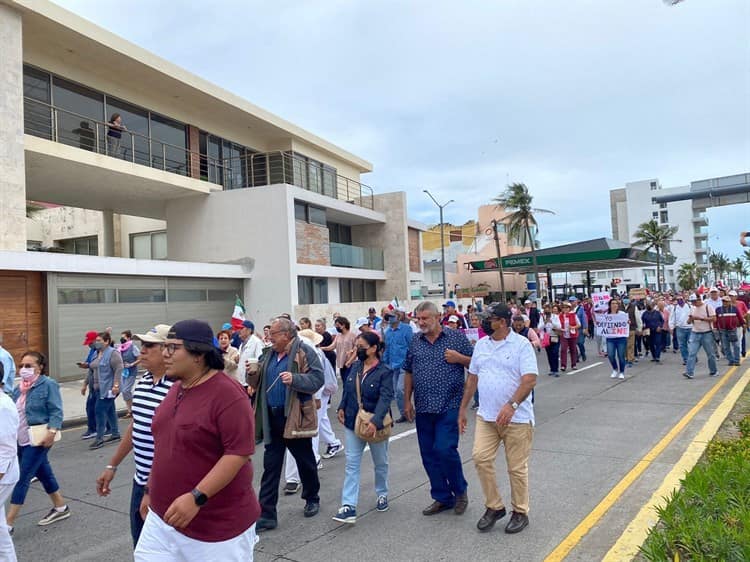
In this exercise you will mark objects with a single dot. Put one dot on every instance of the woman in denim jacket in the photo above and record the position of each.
(38, 402)
(376, 383)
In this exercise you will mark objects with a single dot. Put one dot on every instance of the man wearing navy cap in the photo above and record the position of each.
(449, 309)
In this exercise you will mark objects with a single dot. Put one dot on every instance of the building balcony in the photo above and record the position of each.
(699, 250)
(251, 169)
(701, 220)
(344, 255)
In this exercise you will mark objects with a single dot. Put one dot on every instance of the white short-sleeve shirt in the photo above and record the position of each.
(499, 365)
(8, 443)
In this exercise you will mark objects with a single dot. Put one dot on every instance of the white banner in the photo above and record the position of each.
(612, 325)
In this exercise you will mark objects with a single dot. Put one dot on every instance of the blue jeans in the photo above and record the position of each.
(683, 335)
(553, 356)
(731, 348)
(437, 435)
(106, 415)
(695, 342)
(354, 449)
(136, 521)
(581, 345)
(32, 461)
(616, 353)
(398, 389)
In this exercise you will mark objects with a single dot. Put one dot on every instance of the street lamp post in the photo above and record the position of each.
(442, 238)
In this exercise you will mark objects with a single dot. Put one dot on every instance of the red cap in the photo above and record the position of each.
(90, 338)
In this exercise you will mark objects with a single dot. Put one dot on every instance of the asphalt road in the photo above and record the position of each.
(590, 431)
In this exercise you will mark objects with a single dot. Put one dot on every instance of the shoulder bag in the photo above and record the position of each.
(362, 421)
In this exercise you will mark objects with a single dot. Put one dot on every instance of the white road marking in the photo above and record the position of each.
(398, 436)
(588, 367)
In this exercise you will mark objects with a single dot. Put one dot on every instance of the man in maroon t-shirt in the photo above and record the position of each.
(200, 501)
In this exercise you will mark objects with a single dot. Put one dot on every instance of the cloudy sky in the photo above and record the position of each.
(571, 97)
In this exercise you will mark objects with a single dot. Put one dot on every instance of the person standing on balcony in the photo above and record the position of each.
(115, 127)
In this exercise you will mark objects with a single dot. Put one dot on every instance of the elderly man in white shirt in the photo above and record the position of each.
(250, 349)
(504, 367)
(8, 469)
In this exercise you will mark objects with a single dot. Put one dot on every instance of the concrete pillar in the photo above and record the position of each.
(12, 168)
(108, 234)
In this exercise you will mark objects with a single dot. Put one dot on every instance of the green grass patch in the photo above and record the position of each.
(708, 518)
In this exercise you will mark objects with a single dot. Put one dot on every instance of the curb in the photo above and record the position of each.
(627, 546)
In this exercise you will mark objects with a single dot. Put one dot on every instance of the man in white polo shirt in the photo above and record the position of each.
(504, 366)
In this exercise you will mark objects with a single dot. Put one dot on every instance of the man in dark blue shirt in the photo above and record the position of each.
(434, 373)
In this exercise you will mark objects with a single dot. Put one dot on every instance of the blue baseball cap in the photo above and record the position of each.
(449, 303)
(248, 324)
(196, 331)
(226, 326)
(573, 298)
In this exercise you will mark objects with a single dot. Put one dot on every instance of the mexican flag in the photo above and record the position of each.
(393, 305)
(238, 314)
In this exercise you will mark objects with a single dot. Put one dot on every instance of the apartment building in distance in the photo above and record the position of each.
(201, 197)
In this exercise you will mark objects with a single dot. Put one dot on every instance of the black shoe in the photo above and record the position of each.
(402, 419)
(462, 503)
(517, 523)
(112, 438)
(312, 509)
(488, 519)
(435, 507)
(264, 524)
(292, 488)
(98, 444)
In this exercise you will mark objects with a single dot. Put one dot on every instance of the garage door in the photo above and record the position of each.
(96, 302)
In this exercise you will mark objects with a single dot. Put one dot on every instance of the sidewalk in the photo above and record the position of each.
(74, 405)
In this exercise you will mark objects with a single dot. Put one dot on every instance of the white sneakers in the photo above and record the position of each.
(621, 376)
(613, 375)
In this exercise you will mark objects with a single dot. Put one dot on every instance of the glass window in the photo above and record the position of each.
(315, 176)
(37, 116)
(168, 144)
(370, 291)
(300, 211)
(339, 233)
(316, 215)
(222, 295)
(329, 181)
(345, 291)
(299, 170)
(664, 217)
(134, 147)
(312, 290)
(141, 295)
(159, 246)
(187, 295)
(80, 112)
(500, 227)
(149, 245)
(87, 246)
(85, 296)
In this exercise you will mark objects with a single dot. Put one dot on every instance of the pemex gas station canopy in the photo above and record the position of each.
(589, 255)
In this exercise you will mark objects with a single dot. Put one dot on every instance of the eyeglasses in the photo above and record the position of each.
(171, 347)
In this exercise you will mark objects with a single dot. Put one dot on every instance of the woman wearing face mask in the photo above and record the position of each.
(107, 371)
(343, 344)
(376, 389)
(38, 402)
(320, 328)
(130, 354)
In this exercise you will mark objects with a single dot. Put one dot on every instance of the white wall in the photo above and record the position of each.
(255, 225)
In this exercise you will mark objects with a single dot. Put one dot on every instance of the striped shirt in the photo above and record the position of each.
(146, 398)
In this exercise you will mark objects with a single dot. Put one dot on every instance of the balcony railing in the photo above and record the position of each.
(343, 255)
(66, 127)
(253, 170)
(270, 168)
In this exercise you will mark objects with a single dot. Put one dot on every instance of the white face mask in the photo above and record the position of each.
(27, 373)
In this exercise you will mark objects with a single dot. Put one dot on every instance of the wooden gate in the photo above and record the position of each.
(23, 322)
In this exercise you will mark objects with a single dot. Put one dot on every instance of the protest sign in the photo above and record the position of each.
(637, 294)
(472, 334)
(612, 325)
(600, 301)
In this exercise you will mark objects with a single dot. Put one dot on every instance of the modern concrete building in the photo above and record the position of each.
(466, 243)
(199, 197)
(631, 206)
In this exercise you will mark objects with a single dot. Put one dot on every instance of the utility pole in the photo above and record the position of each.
(494, 224)
(442, 238)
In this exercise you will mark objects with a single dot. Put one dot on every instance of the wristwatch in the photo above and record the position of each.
(200, 497)
(513, 405)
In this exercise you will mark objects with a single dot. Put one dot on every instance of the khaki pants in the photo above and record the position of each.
(630, 349)
(517, 439)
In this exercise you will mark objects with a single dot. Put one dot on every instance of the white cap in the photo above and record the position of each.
(732, 293)
(693, 297)
(712, 289)
(362, 322)
(453, 318)
(527, 301)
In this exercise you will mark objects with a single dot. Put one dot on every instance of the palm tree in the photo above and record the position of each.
(687, 276)
(517, 199)
(652, 236)
(738, 267)
(746, 256)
